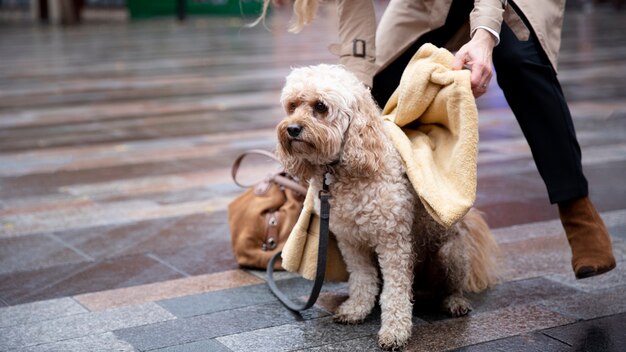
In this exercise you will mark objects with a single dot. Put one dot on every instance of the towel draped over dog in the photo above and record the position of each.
(432, 121)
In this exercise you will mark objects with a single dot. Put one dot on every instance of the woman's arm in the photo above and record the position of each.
(485, 22)
(357, 33)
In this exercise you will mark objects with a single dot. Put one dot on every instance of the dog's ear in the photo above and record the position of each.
(364, 147)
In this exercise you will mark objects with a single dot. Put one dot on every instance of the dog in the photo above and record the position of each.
(333, 125)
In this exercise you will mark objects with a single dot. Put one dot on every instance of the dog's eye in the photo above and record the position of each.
(320, 108)
(291, 107)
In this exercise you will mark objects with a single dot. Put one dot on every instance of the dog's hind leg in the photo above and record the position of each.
(396, 264)
(363, 284)
(452, 263)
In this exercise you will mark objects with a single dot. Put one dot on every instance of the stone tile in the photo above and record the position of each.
(360, 344)
(601, 335)
(208, 256)
(330, 301)
(75, 279)
(494, 160)
(28, 253)
(524, 232)
(198, 346)
(195, 244)
(518, 293)
(506, 294)
(612, 279)
(618, 231)
(518, 211)
(81, 325)
(606, 188)
(278, 275)
(535, 342)
(39, 311)
(614, 220)
(233, 298)
(535, 257)
(522, 198)
(108, 213)
(544, 254)
(482, 327)
(165, 290)
(140, 237)
(298, 336)
(46, 183)
(106, 342)
(589, 305)
(202, 327)
(14, 287)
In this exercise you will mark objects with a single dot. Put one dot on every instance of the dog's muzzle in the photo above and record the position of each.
(294, 130)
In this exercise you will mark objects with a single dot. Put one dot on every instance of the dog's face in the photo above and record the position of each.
(320, 103)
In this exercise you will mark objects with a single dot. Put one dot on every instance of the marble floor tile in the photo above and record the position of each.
(165, 290)
(105, 342)
(81, 325)
(298, 336)
(37, 252)
(506, 322)
(80, 278)
(202, 327)
(39, 311)
(592, 305)
(601, 335)
(535, 342)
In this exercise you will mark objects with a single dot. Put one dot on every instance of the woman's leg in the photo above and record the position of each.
(534, 94)
(531, 88)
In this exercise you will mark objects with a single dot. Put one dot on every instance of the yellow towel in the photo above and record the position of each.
(300, 251)
(432, 121)
(440, 152)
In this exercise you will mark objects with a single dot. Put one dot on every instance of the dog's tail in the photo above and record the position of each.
(483, 252)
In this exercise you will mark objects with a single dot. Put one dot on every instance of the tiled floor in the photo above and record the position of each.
(116, 140)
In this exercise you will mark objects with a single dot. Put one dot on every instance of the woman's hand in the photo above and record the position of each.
(477, 56)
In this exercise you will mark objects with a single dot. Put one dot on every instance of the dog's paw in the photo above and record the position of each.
(347, 319)
(456, 305)
(394, 338)
(351, 312)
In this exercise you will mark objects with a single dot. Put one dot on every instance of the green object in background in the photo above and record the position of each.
(153, 8)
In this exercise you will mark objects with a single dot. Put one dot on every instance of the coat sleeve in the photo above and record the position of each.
(487, 13)
(357, 32)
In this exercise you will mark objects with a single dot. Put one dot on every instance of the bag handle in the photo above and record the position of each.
(237, 163)
(277, 178)
(321, 260)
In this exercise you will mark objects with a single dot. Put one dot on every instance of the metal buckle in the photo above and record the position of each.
(358, 44)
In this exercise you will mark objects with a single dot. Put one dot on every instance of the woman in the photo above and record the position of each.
(522, 41)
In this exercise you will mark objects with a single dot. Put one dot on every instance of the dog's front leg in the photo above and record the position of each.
(363, 284)
(396, 264)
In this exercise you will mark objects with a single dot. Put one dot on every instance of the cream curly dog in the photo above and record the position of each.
(332, 122)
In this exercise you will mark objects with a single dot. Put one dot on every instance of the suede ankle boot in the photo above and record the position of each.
(588, 238)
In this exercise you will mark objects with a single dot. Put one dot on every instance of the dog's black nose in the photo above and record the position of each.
(294, 130)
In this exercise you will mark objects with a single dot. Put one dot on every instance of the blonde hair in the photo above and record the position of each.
(303, 14)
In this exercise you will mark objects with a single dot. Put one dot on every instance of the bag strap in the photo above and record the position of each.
(321, 259)
(237, 163)
(277, 178)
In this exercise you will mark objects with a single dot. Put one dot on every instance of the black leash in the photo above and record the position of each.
(324, 196)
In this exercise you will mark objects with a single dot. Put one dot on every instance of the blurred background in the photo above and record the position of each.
(120, 120)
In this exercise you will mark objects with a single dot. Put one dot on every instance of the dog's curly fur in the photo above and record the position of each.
(375, 213)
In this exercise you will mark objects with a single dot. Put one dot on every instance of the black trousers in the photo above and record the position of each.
(533, 92)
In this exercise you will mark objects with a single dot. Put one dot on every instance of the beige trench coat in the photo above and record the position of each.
(404, 21)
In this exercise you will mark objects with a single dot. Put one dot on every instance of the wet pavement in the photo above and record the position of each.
(116, 141)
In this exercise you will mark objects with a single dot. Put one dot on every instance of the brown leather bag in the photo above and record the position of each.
(262, 217)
